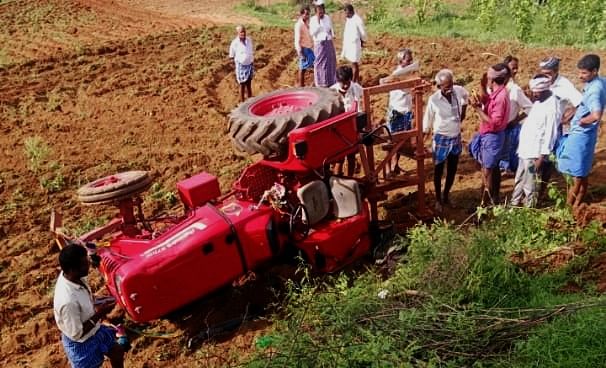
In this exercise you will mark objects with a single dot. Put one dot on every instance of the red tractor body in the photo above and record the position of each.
(218, 240)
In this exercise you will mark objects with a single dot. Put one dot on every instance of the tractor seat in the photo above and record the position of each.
(346, 193)
(314, 196)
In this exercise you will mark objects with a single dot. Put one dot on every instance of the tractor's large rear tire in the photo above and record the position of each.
(261, 124)
(115, 187)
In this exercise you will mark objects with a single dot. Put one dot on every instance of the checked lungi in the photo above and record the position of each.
(89, 354)
(399, 122)
(325, 65)
(443, 146)
(244, 73)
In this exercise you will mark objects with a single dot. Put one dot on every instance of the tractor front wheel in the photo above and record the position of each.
(115, 187)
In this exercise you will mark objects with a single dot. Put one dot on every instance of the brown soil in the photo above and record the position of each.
(117, 85)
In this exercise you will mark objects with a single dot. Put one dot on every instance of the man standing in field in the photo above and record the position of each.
(537, 140)
(241, 51)
(354, 36)
(304, 44)
(519, 107)
(576, 151)
(486, 146)
(443, 116)
(325, 65)
(84, 338)
(569, 98)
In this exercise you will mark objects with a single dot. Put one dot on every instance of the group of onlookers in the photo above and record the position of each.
(554, 126)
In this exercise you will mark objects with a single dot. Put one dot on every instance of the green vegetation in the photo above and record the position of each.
(555, 23)
(460, 296)
(36, 151)
(158, 194)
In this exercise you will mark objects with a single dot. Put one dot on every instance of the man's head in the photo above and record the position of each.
(550, 67)
(589, 67)
(73, 259)
(241, 31)
(344, 76)
(498, 75)
(539, 87)
(404, 57)
(512, 62)
(349, 10)
(304, 12)
(320, 11)
(445, 81)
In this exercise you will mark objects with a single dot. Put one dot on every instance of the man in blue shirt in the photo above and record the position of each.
(576, 150)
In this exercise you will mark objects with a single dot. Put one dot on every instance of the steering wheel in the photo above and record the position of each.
(299, 223)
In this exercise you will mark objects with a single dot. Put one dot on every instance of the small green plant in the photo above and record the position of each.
(54, 101)
(36, 151)
(54, 184)
(159, 194)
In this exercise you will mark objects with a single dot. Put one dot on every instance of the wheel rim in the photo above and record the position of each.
(284, 103)
(105, 181)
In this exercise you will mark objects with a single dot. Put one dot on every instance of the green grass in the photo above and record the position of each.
(446, 19)
(455, 299)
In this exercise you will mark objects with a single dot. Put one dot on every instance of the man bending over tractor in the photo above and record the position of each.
(351, 94)
(84, 338)
(241, 51)
(576, 151)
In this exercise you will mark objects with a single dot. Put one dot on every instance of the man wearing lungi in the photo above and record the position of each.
(570, 98)
(493, 107)
(304, 44)
(325, 65)
(84, 338)
(576, 150)
(518, 110)
(399, 109)
(354, 36)
(443, 116)
(241, 50)
(538, 136)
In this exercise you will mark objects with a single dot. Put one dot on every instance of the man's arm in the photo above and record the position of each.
(595, 105)
(428, 119)
(463, 112)
(592, 118)
(361, 30)
(297, 37)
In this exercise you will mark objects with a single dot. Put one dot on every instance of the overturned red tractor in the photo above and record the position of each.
(289, 200)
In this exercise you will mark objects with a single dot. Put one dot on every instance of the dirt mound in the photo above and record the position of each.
(97, 87)
(585, 214)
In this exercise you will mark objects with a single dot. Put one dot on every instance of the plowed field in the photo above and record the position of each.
(88, 88)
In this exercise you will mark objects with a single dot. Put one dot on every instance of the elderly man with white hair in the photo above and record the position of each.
(538, 136)
(242, 52)
(443, 116)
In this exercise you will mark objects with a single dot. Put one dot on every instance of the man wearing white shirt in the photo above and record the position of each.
(537, 140)
(518, 110)
(325, 65)
(570, 98)
(241, 51)
(443, 116)
(84, 338)
(354, 36)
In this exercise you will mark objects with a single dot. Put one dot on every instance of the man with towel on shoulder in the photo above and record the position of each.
(575, 150)
(493, 107)
(241, 51)
(325, 65)
(538, 136)
(304, 44)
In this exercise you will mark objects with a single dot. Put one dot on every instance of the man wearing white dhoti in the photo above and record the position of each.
(354, 36)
